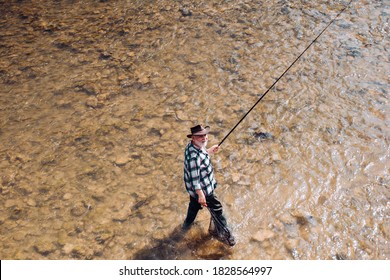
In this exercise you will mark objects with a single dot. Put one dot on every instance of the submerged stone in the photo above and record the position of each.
(44, 248)
(263, 135)
(340, 256)
(185, 12)
(263, 235)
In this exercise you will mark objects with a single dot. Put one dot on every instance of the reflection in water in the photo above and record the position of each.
(97, 97)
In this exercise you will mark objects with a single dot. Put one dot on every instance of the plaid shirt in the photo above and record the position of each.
(198, 171)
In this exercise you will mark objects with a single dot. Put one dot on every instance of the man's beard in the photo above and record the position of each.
(201, 144)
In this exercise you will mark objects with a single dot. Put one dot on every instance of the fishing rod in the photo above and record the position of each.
(291, 65)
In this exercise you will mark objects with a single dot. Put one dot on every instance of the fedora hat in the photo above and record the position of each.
(199, 130)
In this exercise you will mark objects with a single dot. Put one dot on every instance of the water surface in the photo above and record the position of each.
(97, 98)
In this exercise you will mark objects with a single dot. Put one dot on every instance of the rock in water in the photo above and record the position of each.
(263, 135)
(185, 12)
(263, 235)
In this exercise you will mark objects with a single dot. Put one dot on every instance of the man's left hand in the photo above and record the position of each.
(213, 149)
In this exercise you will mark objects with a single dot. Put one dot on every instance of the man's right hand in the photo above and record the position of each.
(201, 198)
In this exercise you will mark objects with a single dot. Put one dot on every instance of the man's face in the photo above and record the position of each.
(200, 140)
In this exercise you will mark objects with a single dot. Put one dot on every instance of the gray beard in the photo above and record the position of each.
(201, 145)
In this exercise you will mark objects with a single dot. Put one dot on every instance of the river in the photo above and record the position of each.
(97, 97)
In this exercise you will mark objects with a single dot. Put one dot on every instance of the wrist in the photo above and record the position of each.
(199, 193)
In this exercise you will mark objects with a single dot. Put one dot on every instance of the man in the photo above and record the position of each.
(200, 182)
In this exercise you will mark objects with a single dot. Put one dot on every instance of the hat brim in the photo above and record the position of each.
(204, 131)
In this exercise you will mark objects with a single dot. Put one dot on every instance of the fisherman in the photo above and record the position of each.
(200, 182)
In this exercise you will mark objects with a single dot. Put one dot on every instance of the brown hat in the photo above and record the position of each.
(199, 130)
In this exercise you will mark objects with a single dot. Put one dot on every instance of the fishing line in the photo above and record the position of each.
(291, 65)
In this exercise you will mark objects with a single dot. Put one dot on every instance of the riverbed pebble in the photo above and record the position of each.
(92, 102)
(121, 159)
(44, 248)
(78, 209)
(263, 235)
(67, 196)
(31, 202)
(385, 227)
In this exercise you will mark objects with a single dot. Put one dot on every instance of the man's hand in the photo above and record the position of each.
(201, 198)
(213, 149)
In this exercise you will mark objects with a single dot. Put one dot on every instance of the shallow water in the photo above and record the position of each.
(97, 98)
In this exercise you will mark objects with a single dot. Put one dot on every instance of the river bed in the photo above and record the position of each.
(97, 98)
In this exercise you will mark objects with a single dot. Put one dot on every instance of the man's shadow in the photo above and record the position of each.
(179, 245)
